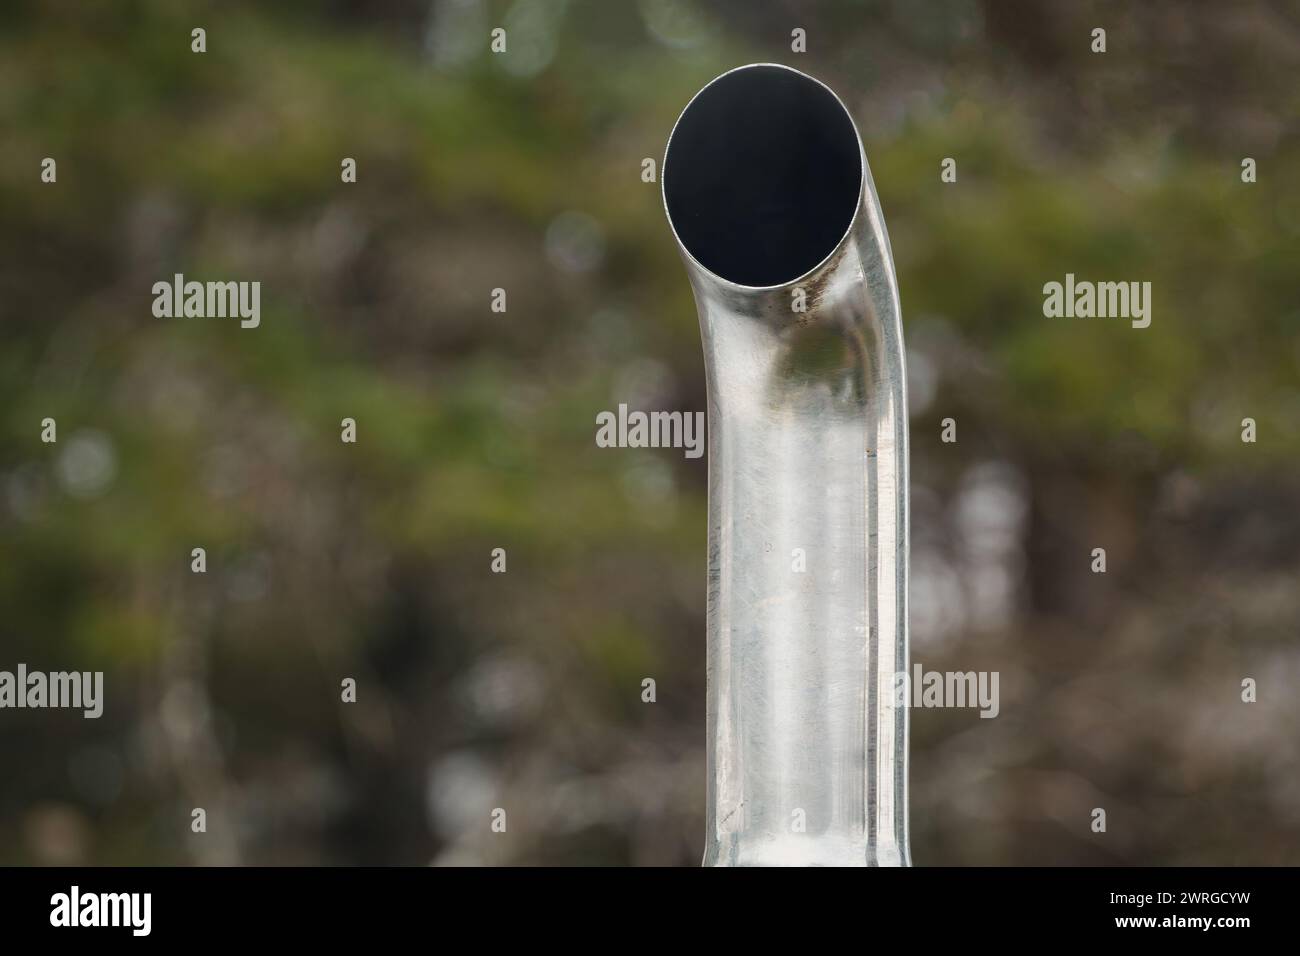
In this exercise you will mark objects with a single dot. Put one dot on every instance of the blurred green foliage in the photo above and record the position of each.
(475, 428)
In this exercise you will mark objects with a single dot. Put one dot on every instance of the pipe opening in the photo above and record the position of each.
(762, 175)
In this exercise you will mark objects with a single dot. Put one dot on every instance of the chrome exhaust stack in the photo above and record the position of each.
(770, 198)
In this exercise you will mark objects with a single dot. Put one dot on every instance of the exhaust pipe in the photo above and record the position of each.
(769, 196)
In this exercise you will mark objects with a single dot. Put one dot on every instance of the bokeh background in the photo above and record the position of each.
(476, 429)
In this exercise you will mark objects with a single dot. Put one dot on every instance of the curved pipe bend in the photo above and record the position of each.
(771, 200)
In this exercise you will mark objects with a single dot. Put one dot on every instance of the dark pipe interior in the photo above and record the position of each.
(762, 175)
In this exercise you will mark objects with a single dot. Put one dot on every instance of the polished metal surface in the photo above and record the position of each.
(807, 412)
